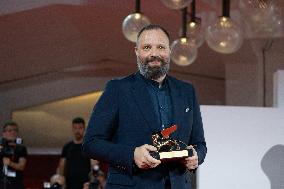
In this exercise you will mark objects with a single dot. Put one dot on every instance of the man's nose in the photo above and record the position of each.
(154, 52)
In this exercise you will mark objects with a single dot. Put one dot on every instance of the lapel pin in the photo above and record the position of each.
(187, 109)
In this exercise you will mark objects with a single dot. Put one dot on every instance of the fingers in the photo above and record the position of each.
(149, 162)
(152, 160)
(194, 151)
(192, 158)
(149, 158)
(191, 162)
(150, 147)
(143, 159)
(191, 167)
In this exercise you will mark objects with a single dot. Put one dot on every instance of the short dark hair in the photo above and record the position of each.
(9, 123)
(153, 27)
(78, 120)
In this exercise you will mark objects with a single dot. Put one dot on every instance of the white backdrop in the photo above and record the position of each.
(237, 140)
(245, 145)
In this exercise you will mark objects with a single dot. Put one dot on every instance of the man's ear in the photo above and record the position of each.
(136, 50)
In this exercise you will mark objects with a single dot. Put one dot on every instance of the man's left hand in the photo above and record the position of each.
(191, 162)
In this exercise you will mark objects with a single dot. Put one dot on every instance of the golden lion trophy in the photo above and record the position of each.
(169, 149)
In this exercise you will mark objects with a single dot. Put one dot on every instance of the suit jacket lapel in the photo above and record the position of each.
(178, 101)
(143, 100)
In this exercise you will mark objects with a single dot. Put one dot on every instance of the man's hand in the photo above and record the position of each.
(6, 161)
(20, 166)
(191, 162)
(143, 159)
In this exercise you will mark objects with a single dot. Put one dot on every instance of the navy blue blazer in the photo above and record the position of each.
(124, 118)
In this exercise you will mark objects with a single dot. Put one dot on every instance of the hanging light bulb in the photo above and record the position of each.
(133, 23)
(183, 51)
(176, 4)
(263, 17)
(259, 4)
(224, 36)
(195, 32)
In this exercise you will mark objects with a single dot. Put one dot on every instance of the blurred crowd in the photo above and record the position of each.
(74, 170)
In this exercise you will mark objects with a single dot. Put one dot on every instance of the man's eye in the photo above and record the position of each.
(161, 47)
(146, 47)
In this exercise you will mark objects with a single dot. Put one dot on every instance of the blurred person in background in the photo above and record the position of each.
(95, 176)
(73, 165)
(57, 182)
(97, 180)
(13, 155)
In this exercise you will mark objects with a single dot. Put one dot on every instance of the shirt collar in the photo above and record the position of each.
(155, 83)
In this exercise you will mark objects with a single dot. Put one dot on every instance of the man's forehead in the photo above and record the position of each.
(12, 126)
(151, 36)
(78, 125)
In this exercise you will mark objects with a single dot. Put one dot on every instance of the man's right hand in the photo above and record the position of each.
(143, 159)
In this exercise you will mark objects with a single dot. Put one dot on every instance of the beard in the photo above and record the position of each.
(153, 72)
(78, 136)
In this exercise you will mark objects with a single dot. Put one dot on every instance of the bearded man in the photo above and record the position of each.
(131, 109)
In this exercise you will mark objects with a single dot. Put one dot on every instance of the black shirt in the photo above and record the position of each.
(77, 167)
(160, 96)
(14, 177)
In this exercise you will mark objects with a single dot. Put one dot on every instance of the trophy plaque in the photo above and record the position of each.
(169, 149)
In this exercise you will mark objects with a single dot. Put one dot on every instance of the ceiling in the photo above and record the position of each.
(41, 42)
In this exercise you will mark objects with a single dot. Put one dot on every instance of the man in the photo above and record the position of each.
(97, 180)
(133, 108)
(73, 165)
(13, 157)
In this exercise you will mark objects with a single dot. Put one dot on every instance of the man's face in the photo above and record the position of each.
(101, 179)
(10, 132)
(153, 53)
(78, 130)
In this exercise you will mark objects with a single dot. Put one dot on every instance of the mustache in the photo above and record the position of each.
(154, 58)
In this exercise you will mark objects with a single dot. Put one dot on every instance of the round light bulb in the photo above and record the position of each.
(224, 36)
(183, 53)
(262, 17)
(132, 24)
(195, 33)
(176, 4)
